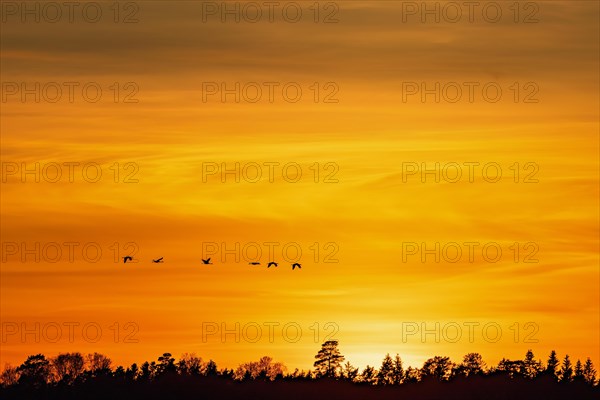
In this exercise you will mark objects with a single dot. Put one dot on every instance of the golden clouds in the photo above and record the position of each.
(369, 136)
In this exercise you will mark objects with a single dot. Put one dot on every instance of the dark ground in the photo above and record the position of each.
(176, 387)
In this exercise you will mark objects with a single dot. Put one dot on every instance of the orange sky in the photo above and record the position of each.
(370, 294)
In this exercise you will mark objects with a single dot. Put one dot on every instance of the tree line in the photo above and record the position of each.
(67, 369)
(391, 372)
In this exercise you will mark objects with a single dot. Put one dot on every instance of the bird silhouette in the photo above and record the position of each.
(127, 258)
(254, 263)
(272, 263)
(158, 260)
(207, 261)
(294, 265)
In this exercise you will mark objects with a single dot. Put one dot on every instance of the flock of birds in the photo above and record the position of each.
(207, 262)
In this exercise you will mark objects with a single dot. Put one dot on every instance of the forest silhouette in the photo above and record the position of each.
(75, 376)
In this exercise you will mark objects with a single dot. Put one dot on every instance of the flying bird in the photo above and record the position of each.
(158, 260)
(207, 261)
(127, 258)
(254, 263)
(294, 265)
(272, 263)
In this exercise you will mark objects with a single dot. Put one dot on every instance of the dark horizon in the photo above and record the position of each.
(71, 373)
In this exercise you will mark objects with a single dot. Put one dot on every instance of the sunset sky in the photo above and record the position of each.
(363, 143)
